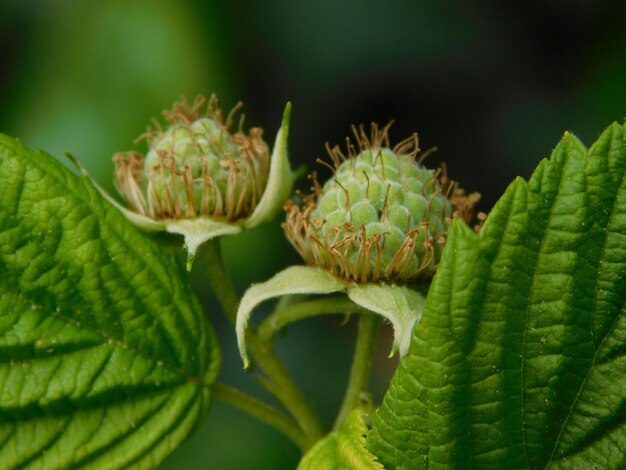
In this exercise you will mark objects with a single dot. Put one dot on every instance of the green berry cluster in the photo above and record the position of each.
(195, 167)
(381, 217)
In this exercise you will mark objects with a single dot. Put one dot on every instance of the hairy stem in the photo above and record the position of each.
(220, 280)
(279, 383)
(261, 411)
(277, 379)
(361, 366)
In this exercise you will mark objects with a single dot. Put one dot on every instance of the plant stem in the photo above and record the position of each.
(220, 280)
(361, 366)
(262, 411)
(277, 381)
(280, 318)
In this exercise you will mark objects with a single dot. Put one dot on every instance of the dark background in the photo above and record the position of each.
(492, 84)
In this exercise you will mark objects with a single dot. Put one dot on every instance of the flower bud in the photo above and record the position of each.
(382, 216)
(196, 167)
(201, 180)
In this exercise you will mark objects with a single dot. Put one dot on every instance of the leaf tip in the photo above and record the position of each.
(286, 115)
(74, 161)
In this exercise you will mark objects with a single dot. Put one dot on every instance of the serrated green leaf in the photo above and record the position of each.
(343, 449)
(518, 360)
(105, 353)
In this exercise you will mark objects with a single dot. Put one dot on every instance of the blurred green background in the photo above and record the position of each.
(492, 84)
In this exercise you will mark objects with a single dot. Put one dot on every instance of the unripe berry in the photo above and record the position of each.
(381, 217)
(196, 167)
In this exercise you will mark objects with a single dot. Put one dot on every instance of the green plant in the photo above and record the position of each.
(512, 354)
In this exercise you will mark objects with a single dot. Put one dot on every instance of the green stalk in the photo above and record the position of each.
(277, 381)
(220, 281)
(261, 411)
(291, 313)
(361, 366)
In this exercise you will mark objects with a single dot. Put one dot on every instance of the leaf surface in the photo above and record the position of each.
(519, 359)
(105, 353)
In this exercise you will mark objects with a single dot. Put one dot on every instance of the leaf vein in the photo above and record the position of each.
(593, 312)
